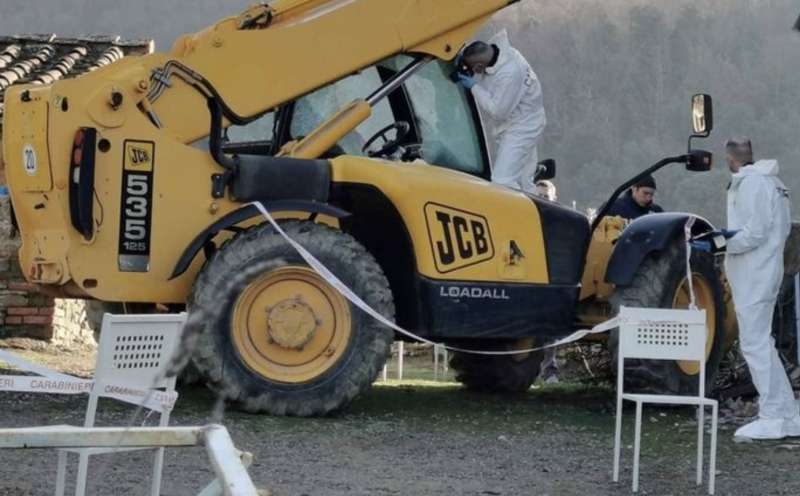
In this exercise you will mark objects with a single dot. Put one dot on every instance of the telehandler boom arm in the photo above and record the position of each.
(274, 53)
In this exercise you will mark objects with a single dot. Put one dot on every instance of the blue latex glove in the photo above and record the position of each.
(704, 246)
(466, 81)
(728, 233)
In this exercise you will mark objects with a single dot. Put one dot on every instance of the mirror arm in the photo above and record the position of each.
(696, 136)
(681, 159)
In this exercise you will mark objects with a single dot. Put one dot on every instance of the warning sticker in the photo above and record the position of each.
(29, 160)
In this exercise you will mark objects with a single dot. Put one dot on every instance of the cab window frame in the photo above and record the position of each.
(401, 106)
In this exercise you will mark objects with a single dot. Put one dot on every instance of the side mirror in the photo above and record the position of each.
(702, 116)
(797, 25)
(546, 169)
(699, 161)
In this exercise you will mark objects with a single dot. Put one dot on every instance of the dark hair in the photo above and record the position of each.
(646, 182)
(476, 48)
(741, 149)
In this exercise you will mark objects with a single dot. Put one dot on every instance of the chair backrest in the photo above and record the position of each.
(134, 350)
(663, 334)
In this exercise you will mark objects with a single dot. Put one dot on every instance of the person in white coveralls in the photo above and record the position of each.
(759, 222)
(507, 90)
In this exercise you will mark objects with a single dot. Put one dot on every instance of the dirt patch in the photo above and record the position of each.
(73, 359)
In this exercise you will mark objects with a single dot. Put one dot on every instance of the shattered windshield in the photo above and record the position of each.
(447, 127)
(315, 108)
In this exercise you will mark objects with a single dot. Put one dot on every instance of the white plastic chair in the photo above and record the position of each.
(133, 352)
(659, 334)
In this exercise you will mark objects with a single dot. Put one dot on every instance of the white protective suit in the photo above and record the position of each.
(758, 206)
(510, 94)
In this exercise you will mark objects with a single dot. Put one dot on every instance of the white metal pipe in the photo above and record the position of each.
(100, 437)
(227, 463)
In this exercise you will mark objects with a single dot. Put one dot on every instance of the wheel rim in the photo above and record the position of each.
(290, 326)
(704, 298)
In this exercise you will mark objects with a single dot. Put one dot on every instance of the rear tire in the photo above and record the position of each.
(784, 323)
(657, 284)
(497, 373)
(261, 366)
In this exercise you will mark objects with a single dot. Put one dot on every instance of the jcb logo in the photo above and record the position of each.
(138, 155)
(458, 238)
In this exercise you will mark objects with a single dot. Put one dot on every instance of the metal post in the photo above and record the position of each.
(436, 362)
(400, 360)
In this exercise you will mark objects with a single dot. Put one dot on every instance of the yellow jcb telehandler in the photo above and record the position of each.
(135, 182)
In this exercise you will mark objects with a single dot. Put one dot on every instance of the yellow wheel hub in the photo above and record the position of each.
(290, 326)
(704, 299)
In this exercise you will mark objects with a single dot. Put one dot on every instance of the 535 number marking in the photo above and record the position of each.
(136, 208)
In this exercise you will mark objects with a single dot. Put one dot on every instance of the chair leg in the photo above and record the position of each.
(61, 473)
(701, 421)
(712, 464)
(617, 439)
(158, 465)
(636, 446)
(83, 470)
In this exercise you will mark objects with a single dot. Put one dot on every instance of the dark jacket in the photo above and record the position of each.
(626, 207)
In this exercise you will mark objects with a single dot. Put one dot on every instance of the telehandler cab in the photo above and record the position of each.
(134, 183)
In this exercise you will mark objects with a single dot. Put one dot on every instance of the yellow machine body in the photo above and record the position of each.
(252, 80)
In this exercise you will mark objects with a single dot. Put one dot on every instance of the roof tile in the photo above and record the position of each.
(46, 58)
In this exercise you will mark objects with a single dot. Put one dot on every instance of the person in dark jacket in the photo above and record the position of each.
(638, 201)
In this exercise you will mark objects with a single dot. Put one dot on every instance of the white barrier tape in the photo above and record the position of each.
(152, 399)
(51, 381)
(38, 384)
(687, 231)
(357, 301)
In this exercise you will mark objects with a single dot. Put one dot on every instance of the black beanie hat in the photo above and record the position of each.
(646, 182)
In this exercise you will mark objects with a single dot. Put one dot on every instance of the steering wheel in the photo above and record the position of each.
(389, 146)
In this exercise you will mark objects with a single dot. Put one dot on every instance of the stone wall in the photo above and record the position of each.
(71, 324)
(24, 312)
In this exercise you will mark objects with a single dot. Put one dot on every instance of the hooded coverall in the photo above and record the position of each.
(759, 208)
(510, 94)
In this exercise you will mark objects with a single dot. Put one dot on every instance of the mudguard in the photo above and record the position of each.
(645, 235)
(246, 213)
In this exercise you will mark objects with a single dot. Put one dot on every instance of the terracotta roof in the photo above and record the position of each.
(43, 59)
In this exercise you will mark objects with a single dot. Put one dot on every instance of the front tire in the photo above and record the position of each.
(274, 336)
(661, 282)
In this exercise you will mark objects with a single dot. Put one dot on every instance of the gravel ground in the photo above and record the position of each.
(420, 438)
